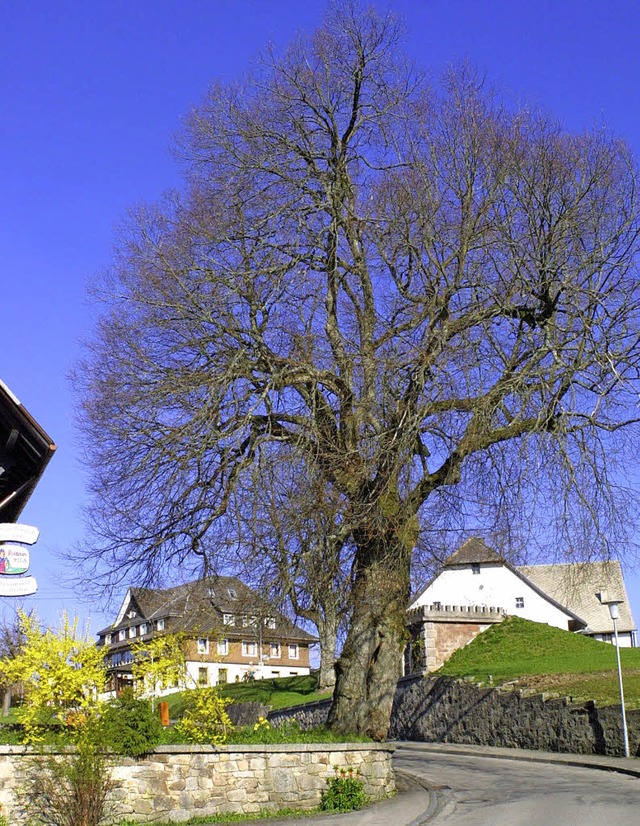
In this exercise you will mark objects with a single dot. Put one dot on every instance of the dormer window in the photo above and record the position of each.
(132, 614)
(212, 593)
(160, 625)
(107, 639)
(132, 632)
(232, 593)
(143, 629)
(122, 635)
(270, 622)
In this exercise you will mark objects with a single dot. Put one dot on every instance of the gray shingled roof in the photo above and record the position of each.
(575, 585)
(197, 607)
(472, 551)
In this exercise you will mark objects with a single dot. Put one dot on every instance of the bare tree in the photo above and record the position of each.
(295, 545)
(412, 286)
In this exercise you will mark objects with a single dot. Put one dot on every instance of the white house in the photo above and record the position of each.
(476, 583)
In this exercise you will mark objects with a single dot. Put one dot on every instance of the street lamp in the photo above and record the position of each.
(615, 613)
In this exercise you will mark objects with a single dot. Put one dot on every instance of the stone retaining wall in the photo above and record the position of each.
(179, 782)
(445, 710)
(309, 715)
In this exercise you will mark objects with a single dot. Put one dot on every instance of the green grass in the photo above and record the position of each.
(543, 658)
(277, 693)
(263, 814)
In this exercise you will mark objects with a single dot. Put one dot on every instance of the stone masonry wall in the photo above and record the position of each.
(180, 782)
(445, 710)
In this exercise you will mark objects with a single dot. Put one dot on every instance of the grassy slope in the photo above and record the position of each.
(277, 693)
(548, 659)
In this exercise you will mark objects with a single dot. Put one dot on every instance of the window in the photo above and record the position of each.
(274, 650)
(293, 673)
(228, 619)
(203, 677)
(143, 629)
(270, 622)
(475, 567)
(275, 673)
(223, 647)
(232, 593)
(212, 593)
(203, 645)
(223, 675)
(293, 651)
(249, 648)
(132, 615)
(132, 632)
(519, 602)
(160, 625)
(122, 634)
(107, 639)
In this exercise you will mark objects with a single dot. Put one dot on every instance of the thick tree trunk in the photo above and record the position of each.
(370, 663)
(328, 636)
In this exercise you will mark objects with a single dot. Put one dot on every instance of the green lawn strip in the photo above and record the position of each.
(233, 818)
(277, 693)
(290, 734)
(516, 649)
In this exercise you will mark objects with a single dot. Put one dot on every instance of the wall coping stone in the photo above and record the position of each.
(250, 748)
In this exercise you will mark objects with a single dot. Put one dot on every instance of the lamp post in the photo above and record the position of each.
(615, 613)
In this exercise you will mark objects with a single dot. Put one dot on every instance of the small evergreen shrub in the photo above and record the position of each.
(205, 719)
(344, 792)
(129, 726)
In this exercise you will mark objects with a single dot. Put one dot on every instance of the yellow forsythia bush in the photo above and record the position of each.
(205, 719)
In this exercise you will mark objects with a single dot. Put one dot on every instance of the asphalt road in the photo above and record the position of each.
(484, 791)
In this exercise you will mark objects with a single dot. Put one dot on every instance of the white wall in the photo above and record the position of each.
(236, 671)
(495, 586)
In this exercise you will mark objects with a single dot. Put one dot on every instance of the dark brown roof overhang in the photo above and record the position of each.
(25, 451)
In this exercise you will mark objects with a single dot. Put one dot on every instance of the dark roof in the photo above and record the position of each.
(471, 552)
(25, 450)
(197, 607)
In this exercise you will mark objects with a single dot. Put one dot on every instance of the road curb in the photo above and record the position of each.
(622, 765)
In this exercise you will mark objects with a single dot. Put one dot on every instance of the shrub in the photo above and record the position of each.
(345, 791)
(129, 726)
(71, 789)
(205, 719)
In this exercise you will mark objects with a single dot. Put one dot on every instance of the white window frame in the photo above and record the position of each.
(203, 645)
(275, 650)
(223, 647)
(122, 635)
(132, 631)
(160, 625)
(228, 619)
(249, 648)
(519, 602)
(107, 639)
(143, 629)
(270, 622)
(294, 651)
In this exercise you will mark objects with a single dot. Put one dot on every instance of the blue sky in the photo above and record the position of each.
(94, 91)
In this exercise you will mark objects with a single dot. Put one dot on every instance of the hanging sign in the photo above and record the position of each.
(12, 532)
(19, 586)
(14, 559)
